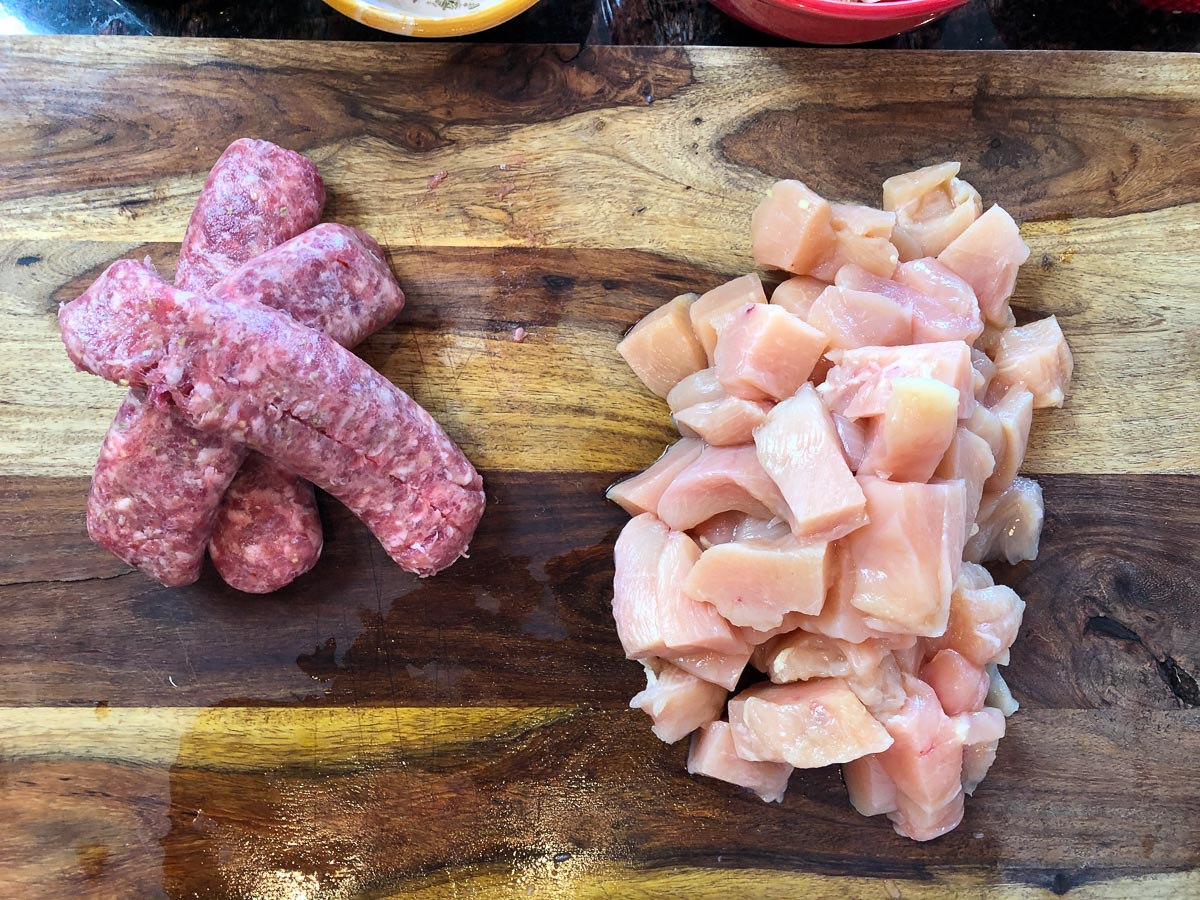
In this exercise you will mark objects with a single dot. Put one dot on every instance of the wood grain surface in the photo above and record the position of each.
(366, 733)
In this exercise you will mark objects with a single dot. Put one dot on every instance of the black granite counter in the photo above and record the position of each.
(982, 24)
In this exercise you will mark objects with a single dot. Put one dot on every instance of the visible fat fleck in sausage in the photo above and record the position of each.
(335, 421)
(175, 476)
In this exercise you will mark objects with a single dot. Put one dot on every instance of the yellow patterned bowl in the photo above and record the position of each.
(432, 18)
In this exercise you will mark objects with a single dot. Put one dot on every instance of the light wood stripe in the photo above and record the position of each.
(246, 739)
(584, 877)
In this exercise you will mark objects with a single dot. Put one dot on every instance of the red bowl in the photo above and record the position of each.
(834, 21)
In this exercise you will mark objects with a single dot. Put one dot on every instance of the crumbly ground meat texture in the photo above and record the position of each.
(259, 377)
(338, 279)
(331, 279)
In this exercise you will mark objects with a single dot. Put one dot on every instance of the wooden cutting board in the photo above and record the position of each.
(366, 733)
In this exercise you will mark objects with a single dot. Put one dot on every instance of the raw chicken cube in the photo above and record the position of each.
(987, 255)
(724, 422)
(983, 623)
(1035, 357)
(968, 459)
(797, 294)
(984, 423)
(699, 387)
(719, 480)
(801, 656)
(764, 352)
(653, 616)
(918, 424)
(1015, 412)
(724, 669)
(838, 618)
(713, 754)
(977, 759)
(809, 724)
(979, 726)
(662, 348)
(912, 821)
(945, 307)
(853, 318)
(861, 382)
(907, 558)
(960, 685)
(792, 229)
(799, 448)
(932, 208)
(880, 689)
(872, 791)
(925, 758)
(678, 702)
(640, 493)
(862, 237)
(755, 583)
(720, 301)
(1010, 524)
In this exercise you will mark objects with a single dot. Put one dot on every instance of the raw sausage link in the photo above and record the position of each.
(257, 196)
(159, 481)
(258, 376)
(267, 532)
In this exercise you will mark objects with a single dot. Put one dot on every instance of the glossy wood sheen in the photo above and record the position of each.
(367, 733)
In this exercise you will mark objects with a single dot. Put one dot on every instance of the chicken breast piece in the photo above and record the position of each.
(1010, 524)
(797, 294)
(799, 448)
(662, 348)
(987, 255)
(640, 493)
(861, 381)
(852, 318)
(932, 208)
(764, 352)
(755, 583)
(677, 701)
(1035, 357)
(719, 480)
(792, 229)
(908, 441)
(713, 754)
(808, 724)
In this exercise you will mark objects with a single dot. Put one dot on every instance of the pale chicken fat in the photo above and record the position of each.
(792, 229)
(713, 754)
(1035, 357)
(755, 583)
(719, 480)
(720, 301)
(918, 424)
(808, 724)
(764, 352)
(677, 701)
(662, 348)
(640, 493)
(987, 256)
(799, 448)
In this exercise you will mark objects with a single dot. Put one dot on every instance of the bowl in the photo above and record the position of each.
(431, 18)
(835, 21)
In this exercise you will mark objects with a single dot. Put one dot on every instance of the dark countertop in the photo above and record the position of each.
(982, 24)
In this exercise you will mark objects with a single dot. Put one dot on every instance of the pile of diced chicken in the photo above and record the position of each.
(849, 457)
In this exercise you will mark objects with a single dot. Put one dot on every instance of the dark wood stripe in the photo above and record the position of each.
(1112, 618)
(188, 105)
